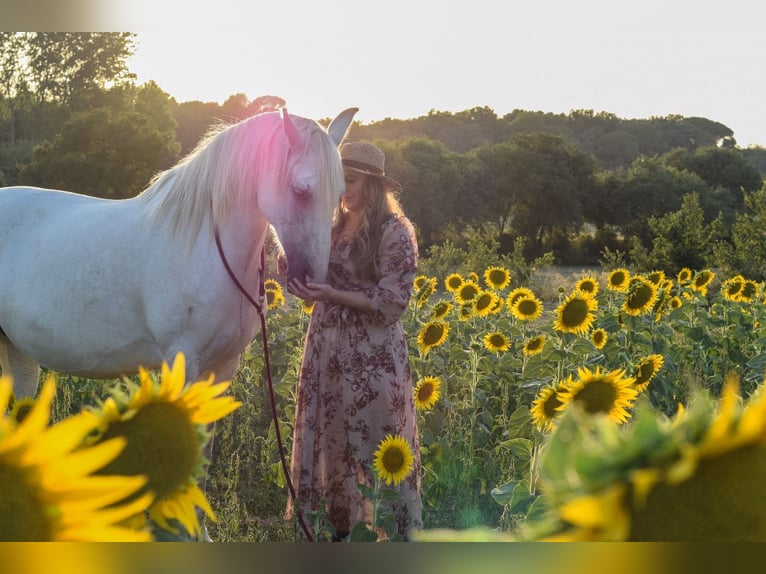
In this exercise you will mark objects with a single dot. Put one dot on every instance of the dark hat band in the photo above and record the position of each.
(363, 166)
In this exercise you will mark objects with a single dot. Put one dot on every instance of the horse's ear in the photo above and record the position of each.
(294, 135)
(339, 126)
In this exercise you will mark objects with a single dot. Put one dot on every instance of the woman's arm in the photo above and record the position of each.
(357, 300)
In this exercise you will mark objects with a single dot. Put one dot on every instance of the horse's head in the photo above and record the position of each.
(301, 212)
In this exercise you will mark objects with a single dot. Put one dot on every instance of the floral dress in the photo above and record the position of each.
(355, 388)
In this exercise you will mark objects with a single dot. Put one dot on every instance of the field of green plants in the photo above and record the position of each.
(542, 407)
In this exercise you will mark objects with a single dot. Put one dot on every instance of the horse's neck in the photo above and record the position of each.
(241, 238)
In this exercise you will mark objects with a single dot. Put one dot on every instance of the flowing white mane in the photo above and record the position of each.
(226, 169)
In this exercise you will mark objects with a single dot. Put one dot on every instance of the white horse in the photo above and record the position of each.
(97, 288)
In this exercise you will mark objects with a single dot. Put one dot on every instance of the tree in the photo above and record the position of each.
(12, 83)
(747, 252)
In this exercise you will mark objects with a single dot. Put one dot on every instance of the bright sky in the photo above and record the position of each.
(402, 58)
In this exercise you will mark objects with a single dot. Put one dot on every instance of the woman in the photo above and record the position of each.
(355, 384)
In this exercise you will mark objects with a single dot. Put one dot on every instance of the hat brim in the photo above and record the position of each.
(390, 180)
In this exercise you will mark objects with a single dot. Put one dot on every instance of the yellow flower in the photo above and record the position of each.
(275, 297)
(21, 408)
(467, 291)
(496, 342)
(453, 282)
(618, 279)
(587, 286)
(527, 308)
(684, 276)
(427, 392)
(534, 345)
(645, 371)
(732, 288)
(675, 302)
(307, 306)
(598, 392)
(575, 314)
(164, 425)
(441, 310)
(656, 277)
(497, 278)
(517, 294)
(48, 489)
(424, 292)
(433, 334)
(393, 460)
(484, 303)
(642, 294)
(599, 337)
(419, 281)
(702, 280)
(545, 408)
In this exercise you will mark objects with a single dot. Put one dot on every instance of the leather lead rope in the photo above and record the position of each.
(267, 366)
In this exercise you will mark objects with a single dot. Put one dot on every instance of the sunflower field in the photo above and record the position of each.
(626, 406)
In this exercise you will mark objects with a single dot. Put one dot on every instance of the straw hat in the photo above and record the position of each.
(366, 158)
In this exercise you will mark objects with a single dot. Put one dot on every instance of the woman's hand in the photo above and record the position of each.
(311, 291)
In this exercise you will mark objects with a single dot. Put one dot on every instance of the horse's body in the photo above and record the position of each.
(98, 287)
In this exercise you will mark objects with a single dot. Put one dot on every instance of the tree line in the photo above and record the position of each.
(586, 187)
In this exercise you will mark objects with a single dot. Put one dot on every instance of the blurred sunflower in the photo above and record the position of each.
(598, 392)
(534, 345)
(472, 276)
(467, 291)
(642, 294)
(698, 479)
(427, 392)
(272, 284)
(453, 282)
(484, 303)
(48, 490)
(433, 334)
(702, 280)
(393, 460)
(527, 308)
(425, 291)
(165, 428)
(675, 302)
(575, 314)
(617, 280)
(732, 287)
(20, 409)
(656, 277)
(307, 306)
(496, 342)
(517, 294)
(465, 311)
(497, 278)
(545, 407)
(684, 276)
(587, 286)
(441, 310)
(645, 371)
(419, 281)
(749, 291)
(599, 337)
(275, 297)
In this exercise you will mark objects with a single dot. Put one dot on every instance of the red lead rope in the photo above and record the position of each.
(267, 366)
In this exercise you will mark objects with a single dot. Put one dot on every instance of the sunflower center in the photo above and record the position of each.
(722, 502)
(433, 334)
(574, 313)
(23, 517)
(425, 391)
(597, 396)
(645, 372)
(162, 443)
(527, 307)
(550, 405)
(484, 302)
(640, 297)
(393, 460)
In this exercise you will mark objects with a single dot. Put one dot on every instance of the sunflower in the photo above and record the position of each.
(275, 298)
(675, 302)
(534, 345)
(527, 308)
(702, 280)
(271, 284)
(496, 342)
(656, 277)
(466, 311)
(642, 294)
(545, 407)
(575, 314)
(164, 425)
(441, 310)
(497, 278)
(617, 280)
(393, 460)
(48, 490)
(699, 479)
(467, 291)
(645, 371)
(684, 276)
(307, 306)
(453, 282)
(419, 281)
(749, 291)
(588, 286)
(21, 409)
(484, 303)
(427, 392)
(732, 288)
(599, 337)
(433, 334)
(517, 294)
(427, 288)
(598, 392)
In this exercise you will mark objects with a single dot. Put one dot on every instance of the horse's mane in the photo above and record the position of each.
(228, 164)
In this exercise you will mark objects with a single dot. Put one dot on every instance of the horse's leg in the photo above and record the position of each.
(24, 370)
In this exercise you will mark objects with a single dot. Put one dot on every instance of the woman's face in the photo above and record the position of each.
(355, 196)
